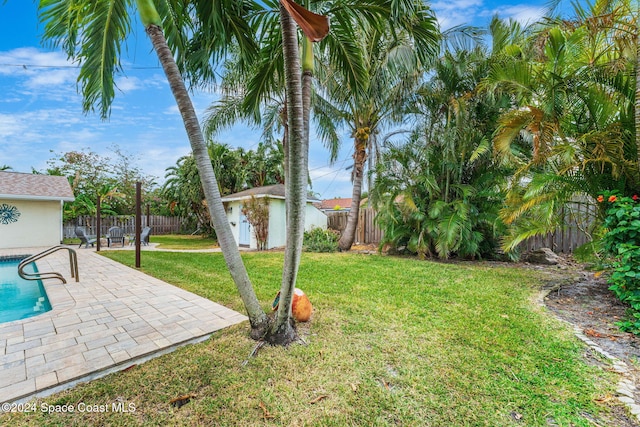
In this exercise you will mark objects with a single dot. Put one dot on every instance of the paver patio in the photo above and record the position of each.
(113, 318)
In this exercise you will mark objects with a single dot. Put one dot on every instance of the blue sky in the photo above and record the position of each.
(41, 112)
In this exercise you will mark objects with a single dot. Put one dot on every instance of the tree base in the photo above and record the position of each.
(267, 332)
(284, 335)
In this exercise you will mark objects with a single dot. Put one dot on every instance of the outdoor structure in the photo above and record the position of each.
(31, 209)
(242, 230)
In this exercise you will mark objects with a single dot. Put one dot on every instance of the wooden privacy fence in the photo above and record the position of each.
(159, 224)
(578, 219)
(367, 231)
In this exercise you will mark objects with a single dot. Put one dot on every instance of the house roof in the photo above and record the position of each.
(27, 186)
(330, 204)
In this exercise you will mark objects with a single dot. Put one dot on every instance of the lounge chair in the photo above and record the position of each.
(115, 234)
(84, 239)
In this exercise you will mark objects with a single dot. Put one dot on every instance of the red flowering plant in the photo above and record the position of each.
(622, 245)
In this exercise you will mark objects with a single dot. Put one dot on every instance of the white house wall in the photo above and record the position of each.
(314, 218)
(277, 224)
(39, 224)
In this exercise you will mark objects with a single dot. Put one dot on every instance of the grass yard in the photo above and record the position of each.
(182, 242)
(392, 341)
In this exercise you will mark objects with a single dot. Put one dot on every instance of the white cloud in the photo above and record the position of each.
(456, 12)
(128, 84)
(525, 14)
(47, 78)
(478, 12)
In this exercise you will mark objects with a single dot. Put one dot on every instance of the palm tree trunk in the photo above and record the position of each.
(257, 317)
(359, 158)
(282, 331)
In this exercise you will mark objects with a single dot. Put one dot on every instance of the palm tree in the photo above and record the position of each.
(569, 129)
(93, 33)
(439, 192)
(393, 57)
(103, 27)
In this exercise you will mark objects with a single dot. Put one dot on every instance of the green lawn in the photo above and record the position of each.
(393, 341)
(175, 241)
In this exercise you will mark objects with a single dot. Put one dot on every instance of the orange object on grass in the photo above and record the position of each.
(301, 307)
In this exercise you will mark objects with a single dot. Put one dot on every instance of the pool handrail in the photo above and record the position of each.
(73, 262)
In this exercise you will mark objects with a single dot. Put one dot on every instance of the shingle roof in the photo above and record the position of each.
(15, 185)
(273, 191)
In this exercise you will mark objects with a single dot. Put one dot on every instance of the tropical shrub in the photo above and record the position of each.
(320, 240)
(257, 213)
(622, 243)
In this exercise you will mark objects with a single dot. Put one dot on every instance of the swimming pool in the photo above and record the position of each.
(19, 298)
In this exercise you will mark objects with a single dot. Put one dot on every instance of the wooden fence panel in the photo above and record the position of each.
(159, 224)
(367, 231)
(578, 220)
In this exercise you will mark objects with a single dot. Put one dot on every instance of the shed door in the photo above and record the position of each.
(244, 239)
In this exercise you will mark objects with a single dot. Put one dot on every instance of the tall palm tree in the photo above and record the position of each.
(394, 56)
(93, 33)
(407, 28)
(102, 28)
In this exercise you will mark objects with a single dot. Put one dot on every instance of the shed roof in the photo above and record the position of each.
(28, 186)
(273, 191)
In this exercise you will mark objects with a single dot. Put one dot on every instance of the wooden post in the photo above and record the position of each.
(98, 214)
(138, 221)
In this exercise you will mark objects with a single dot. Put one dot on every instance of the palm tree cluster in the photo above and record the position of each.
(190, 38)
(506, 135)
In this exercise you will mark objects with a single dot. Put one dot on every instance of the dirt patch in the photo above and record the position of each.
(580, 298)
(590, 305)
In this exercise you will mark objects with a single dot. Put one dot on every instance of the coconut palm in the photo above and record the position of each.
(394, 57)
(93, 34)
(406, 28)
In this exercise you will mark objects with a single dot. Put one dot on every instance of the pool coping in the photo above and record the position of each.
(112, 318)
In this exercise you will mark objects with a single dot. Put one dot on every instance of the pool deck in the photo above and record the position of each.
(113, 318)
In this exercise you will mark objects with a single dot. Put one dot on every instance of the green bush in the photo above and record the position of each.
(622, 244)
(321, 240)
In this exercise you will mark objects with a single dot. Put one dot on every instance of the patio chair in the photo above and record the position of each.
(144, 236)
(84, 239)
(115, 234)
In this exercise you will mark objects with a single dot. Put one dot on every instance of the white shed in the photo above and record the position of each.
(31, 209)
(242, 230)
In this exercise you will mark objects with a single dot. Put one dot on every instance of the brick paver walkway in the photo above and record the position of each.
(112, 318)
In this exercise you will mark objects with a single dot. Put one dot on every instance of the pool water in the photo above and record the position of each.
(19, 298)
